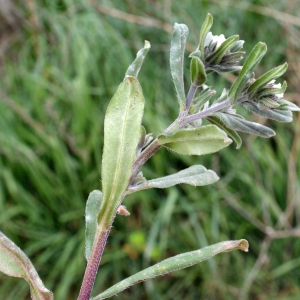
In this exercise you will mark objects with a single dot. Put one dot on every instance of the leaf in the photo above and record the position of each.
(266, 78)
(243, 125)
(15, 263)
(201, 99)
(199, 141)
(205, 28)
(91, 213)
(224, 69)
(237, 46)
(178, 42)
(232, 133)
(135, 67)
(198, 74)
(174, 263)
(277, 114)
(217, 55)
(121, 136)
(289, 105)
(196, 175)
(250, 64)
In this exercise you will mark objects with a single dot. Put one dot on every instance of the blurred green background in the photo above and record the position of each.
(60, 63)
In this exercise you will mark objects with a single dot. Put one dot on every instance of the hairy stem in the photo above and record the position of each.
(190, 96)
(205, 113)
(143, 157)
(93, 264)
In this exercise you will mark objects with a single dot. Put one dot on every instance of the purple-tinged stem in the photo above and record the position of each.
(92, 265)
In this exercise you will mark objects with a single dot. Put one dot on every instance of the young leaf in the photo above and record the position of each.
(250, 64)
(174, 263)
(199, 141)
(15, 263)
(91, 212)
(277, 114)
(121, 136)
(237, 46)
(224, 69)
(178, 42)
(198, 74)
(232, 133)
(289, 105)
(264, 92)
(196, 175)
(205, 28)
(266, 78)
(135, 67)
(243, 125)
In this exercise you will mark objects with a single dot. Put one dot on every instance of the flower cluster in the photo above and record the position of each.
(222, 55)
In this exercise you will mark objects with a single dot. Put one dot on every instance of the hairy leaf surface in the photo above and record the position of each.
(15, 263)
(199, 141)
(174, 263)
(121, 136)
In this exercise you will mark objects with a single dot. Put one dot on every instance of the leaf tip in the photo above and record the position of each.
(243, 245)
(147, 44)
(130, 78)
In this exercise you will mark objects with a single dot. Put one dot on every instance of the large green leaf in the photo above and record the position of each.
(174, 263)
(250, 64)
(91, 213)
(135, 67)
(121, 136)
(15, 263)
(239, 124)
(178, 42)
(196, 175)
(199, 141)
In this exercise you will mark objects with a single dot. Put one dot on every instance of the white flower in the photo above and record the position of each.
(272, 84)
(219, 39)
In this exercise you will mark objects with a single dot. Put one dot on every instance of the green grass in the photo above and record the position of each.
(63, 63)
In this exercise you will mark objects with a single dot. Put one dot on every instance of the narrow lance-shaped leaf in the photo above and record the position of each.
(196, 175)
(135, 67)
(178, 42)
(232, 133)
(277, 114)
(174, 263)
(288, 105)
(205, 28)
(121, 136)
(250, 64)
(91, 213)
(243, 125)
(266, 78)
(199, 141)
(15, 263)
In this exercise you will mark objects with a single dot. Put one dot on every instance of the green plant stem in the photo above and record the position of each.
(93, 264)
